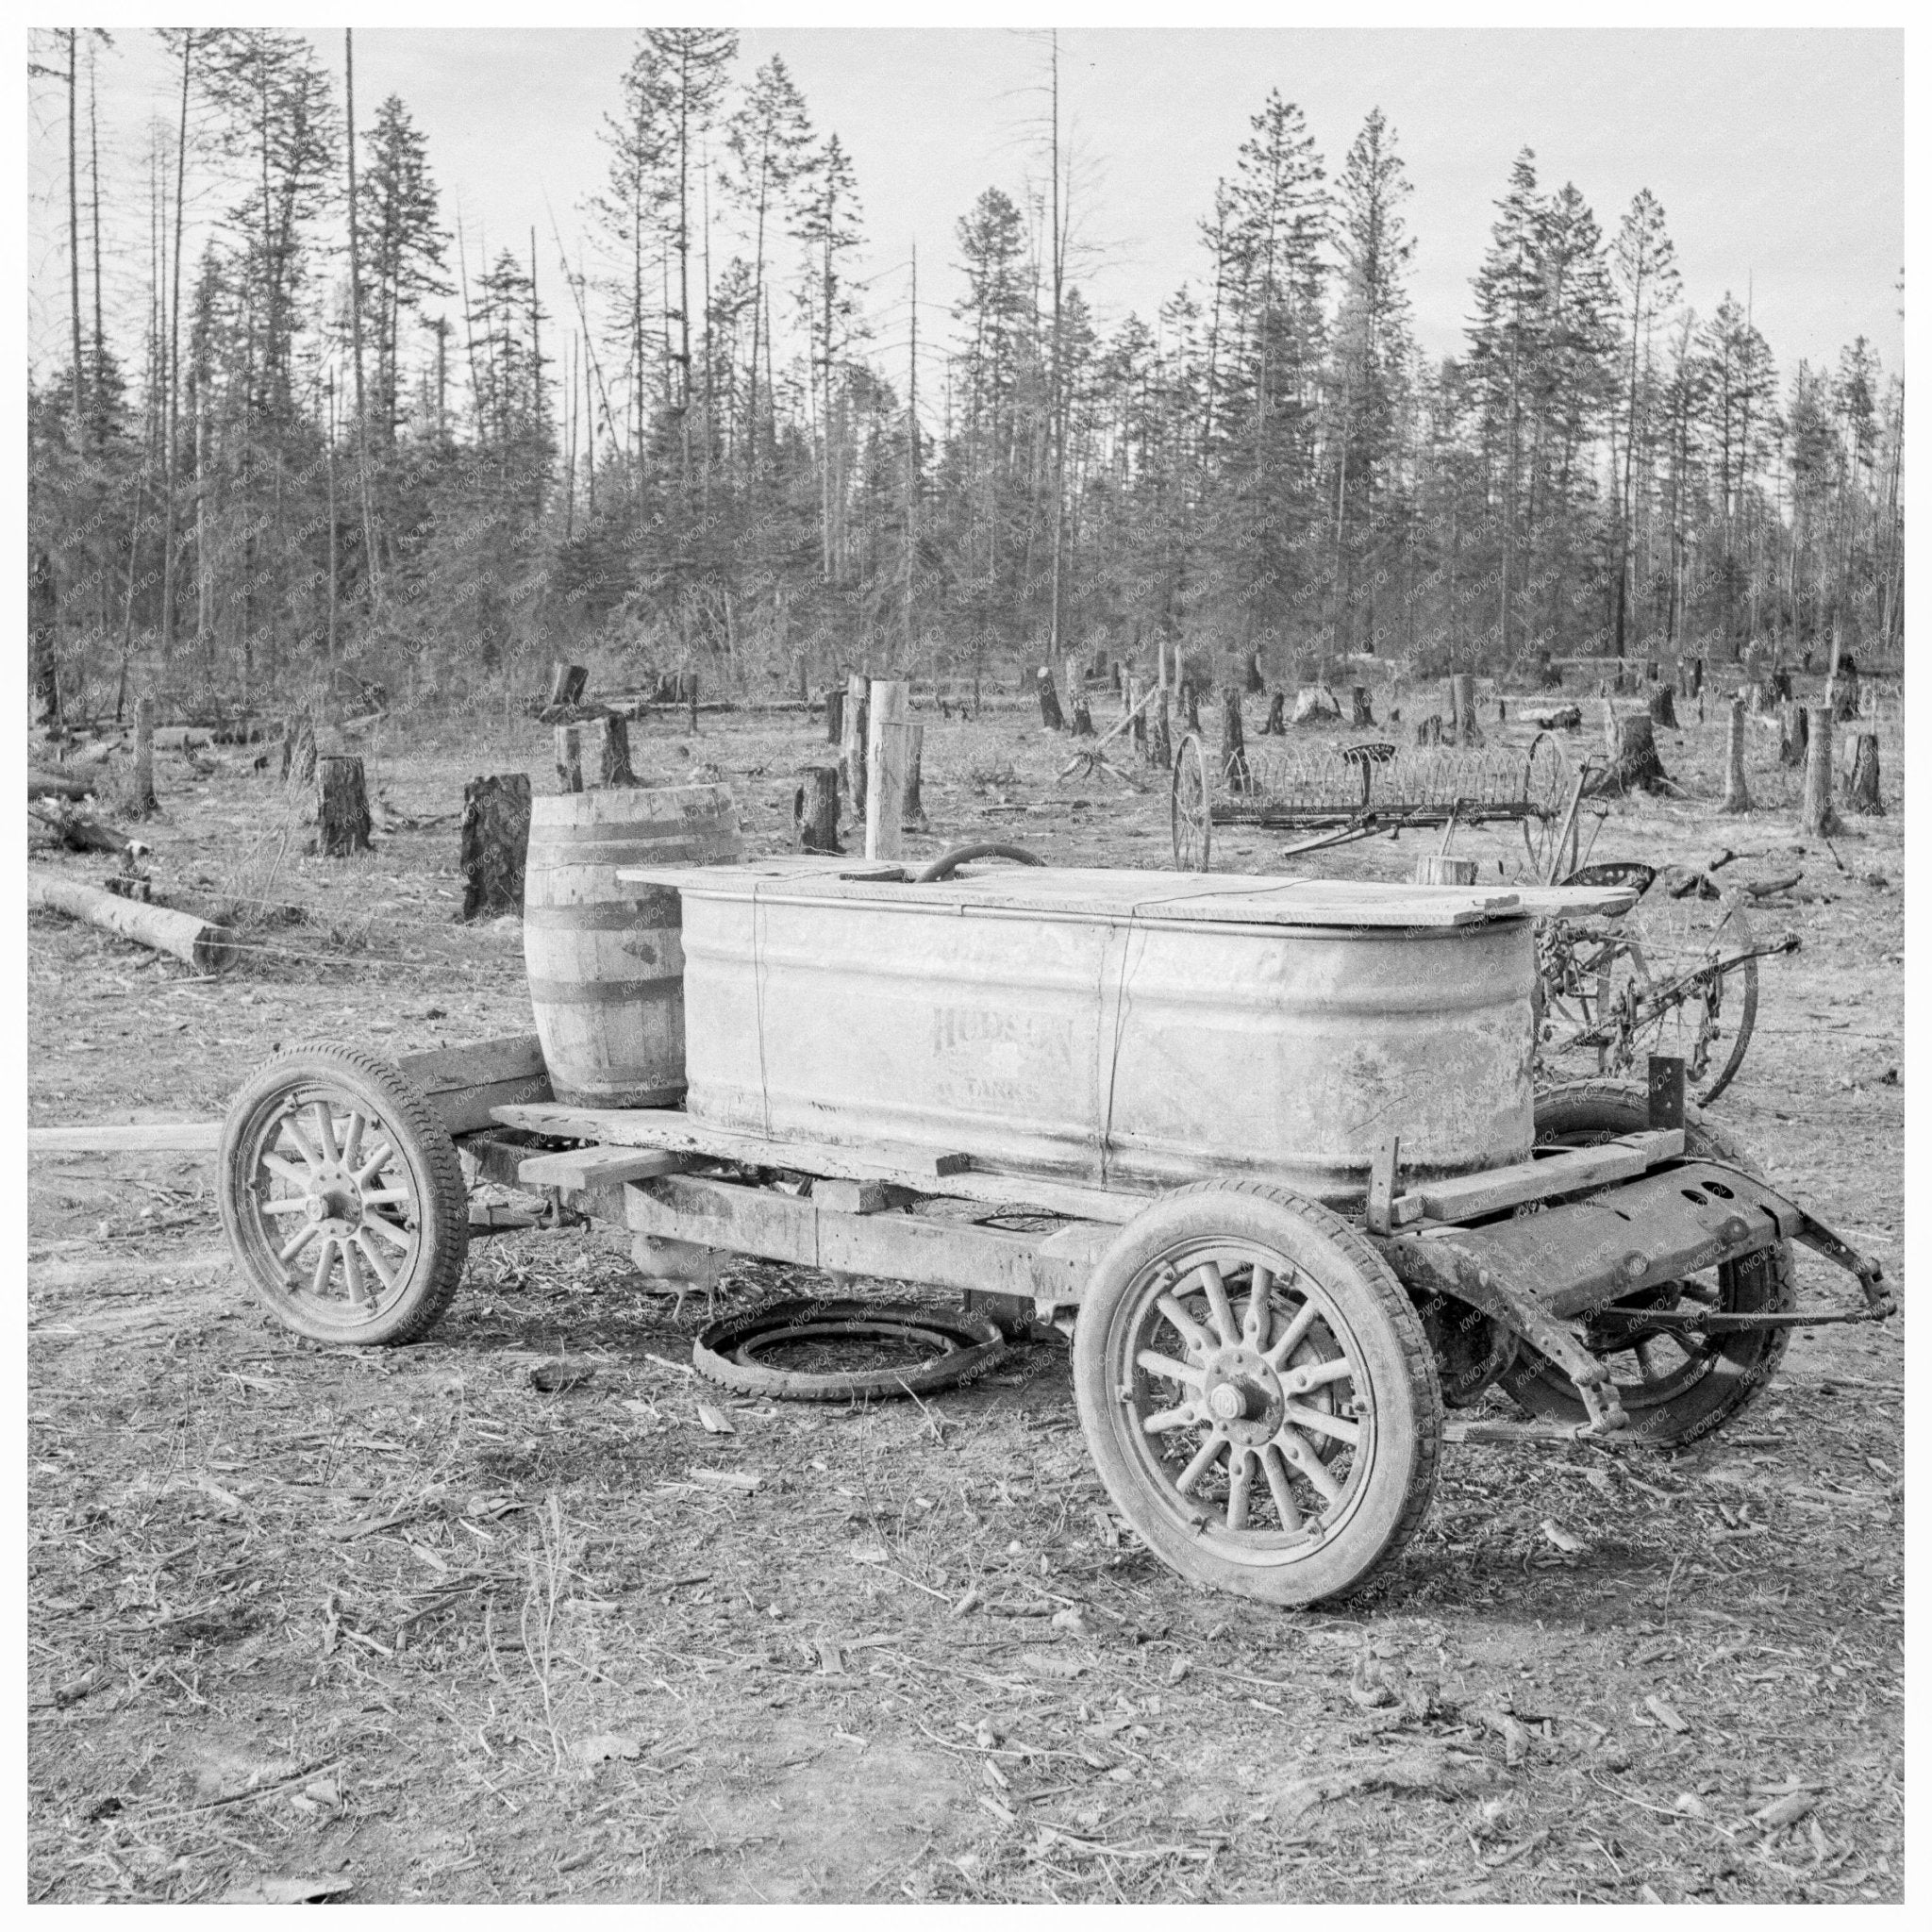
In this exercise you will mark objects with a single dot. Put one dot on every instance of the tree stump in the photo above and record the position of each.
(1256, 683)
(1843, 691)
(495, 839)
(815, 808)
(342, 807)
(1664, 708)
(567, 683)
(1137, 731)
(1234, 748)
(1861, 781)
(912, 814)
(1793, 735)
(141, 800)
(852, 746)
(690, 694)
(1083, 717)
(569, 757)
(1077, 679)
(1275, 724)
(298, 751)
(611, 738)
(1051, 718)
(1190, 702)
(1737, 793)
(1635, 766)
(1361, 716)
(885, 759)
(835, 713)
(1429, 732)
(1463, 709)
(1444, 869)
(1820, 816)
(1781, 683)
(1698, 677)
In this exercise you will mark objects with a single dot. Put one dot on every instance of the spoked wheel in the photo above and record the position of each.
(1188, 807)
(343, 1197)
(1674, 1387)
(1257, 1393)
(1673, 976)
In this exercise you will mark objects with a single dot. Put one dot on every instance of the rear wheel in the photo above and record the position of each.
(343, 1197)
(1257, 1393)
(1674, 1387)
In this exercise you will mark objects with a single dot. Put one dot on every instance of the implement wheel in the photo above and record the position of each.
(1257, 1393)
(1189, 809)
(343, 1197)
(1674, 1387)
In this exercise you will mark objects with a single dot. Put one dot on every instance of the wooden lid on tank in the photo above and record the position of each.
(1109, 895)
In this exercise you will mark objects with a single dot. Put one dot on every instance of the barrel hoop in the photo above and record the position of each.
(609, 915)
(606, 993)
(634, 832)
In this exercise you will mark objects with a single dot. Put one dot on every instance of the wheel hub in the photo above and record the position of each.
(334, 1201)
(1243, 1396)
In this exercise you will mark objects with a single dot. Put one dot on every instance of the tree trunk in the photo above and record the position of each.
(567, 683)
(79, 833)
(342, 807)
(852, 746)
(1234, 746)
(1861, 781)
(885, 761)
(1793, 733)
(569, 757)
(1737, 793)
(495, 839)
(815, 807)
(1360, 715)
(1050, 716)
(143, 802)
(1663, 709)
(913, 815)
(1636, 766)
(1820, 816)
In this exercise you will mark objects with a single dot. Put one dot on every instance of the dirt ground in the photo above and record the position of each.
(395, 1625)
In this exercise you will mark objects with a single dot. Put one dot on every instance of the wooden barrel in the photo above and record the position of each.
(604, 961)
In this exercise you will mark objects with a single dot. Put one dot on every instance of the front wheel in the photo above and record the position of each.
(1257, 1393)
(343, 1197)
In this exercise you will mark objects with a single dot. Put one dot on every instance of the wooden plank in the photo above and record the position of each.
(597, 1167)
(1470, 1196)
(749, 1220)
(466, 1083)
(949, 1174)
(147, 1137)
(857, 1197)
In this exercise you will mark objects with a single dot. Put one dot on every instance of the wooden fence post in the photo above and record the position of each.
(495, 840)
(885, 761)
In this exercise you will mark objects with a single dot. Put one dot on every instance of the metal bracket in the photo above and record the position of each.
(1665, 1090)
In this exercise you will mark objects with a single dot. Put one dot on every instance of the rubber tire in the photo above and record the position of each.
(1407, 1400)
(970, 1345)
(1764, 1281)
(421, 1142)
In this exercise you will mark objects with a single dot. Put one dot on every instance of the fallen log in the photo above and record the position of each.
(81, 834)
(206, 948)
(45, 785)
(120, 1137)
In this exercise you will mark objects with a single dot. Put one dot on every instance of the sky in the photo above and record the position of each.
(1777, 154)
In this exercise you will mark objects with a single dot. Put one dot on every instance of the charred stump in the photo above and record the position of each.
(495, 840)
(570, 758)
(1051, 717)
(835, 713)
(1861, 781)
(1361, 716)
(1664, 708)
(1256, 683)
(1275, 724)
(852, 746)
(612, 737)
(567, 683)
(1429, 732)
(815, 808)
(342, 807)
(1793, 735)
(1234, 746)
(913, 812)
